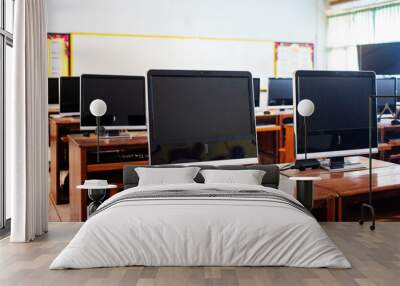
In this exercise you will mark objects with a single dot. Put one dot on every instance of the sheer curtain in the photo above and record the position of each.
(346, 31)
(27, 122)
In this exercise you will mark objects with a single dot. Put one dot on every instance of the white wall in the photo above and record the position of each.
(283, 20)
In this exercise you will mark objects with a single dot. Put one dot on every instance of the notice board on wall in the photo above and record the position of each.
(290, 57)
(58, 51)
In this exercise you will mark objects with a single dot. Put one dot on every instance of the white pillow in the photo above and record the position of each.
(164, 176)
(247, 177)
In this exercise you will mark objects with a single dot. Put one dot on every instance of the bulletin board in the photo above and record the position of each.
(59, 52)
(289, 57)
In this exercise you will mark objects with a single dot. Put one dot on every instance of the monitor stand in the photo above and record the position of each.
(395, 120)
(306, 164)
(114, 134)
(387, 108)
(339, 164)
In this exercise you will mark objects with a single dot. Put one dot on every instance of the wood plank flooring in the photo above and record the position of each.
(375, 257)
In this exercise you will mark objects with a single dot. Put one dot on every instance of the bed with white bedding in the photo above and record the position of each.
(201, 225)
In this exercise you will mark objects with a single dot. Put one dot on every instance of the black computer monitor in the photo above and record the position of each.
(201, 116)
(386, 87)
(69, 95)
(125, 99)
(280, 93)
(383, 59)
(256, 90)
(339, 125)
(53, 90)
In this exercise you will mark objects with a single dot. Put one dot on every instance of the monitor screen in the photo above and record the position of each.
(256, 89)
(383, 59)
(53, 90)
(69, 95)
(386, 87)
(199, 116)
(125, 99)
(339, 125)
(280, 92)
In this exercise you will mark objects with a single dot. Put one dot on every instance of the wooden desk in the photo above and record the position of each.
(323, 198)
(53, 109)
(386, 177)
(275, 137)
(384, 148)
(268, 128)
(60, 127)
(268, 143)
(79, 168)
(384, 127)
(286, 143)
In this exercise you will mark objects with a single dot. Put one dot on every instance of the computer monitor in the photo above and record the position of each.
(383, 59)
(125, 99)
(280, 93)
(69, 95)
(53, 90)
(339, 125)
(386, 87)
(201, 117)
(256, 90)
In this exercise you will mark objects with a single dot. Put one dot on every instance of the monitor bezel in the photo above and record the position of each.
(201, 73)
(119, 127)
(328, 154)
(79, 98)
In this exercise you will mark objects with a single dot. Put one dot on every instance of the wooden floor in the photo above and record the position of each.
(375, 257)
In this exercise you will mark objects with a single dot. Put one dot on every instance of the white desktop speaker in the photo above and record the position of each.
(305, 107)
(98, 107)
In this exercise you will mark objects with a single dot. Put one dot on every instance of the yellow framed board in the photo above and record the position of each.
(289, 57)
(58, 51)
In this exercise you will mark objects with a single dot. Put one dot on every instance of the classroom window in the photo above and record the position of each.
(348, 30)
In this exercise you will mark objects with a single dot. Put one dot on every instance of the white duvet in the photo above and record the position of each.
(200, 231)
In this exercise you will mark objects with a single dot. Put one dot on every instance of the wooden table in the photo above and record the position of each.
(53, 109)
(384, 127)
(79, 167)
(60, 127)
(323, 198)
(386, 177)
(280, 146)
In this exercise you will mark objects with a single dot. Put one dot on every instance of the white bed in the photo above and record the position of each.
(185, 230)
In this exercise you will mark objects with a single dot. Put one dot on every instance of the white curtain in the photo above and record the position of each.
(347, 31)
(27, 123)
(387, 24)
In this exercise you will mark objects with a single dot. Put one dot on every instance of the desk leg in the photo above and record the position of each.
(340, 209)
(54, 163)
(331, 209)
(77, 176)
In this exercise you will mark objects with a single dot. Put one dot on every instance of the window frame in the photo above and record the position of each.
(6, 39)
